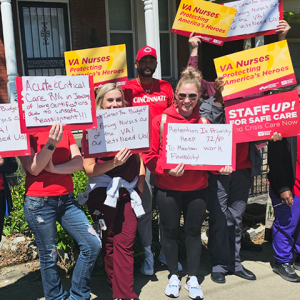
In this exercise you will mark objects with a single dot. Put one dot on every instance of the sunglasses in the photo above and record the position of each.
(192, 97)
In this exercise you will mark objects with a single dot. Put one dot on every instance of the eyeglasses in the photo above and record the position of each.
(192, 97)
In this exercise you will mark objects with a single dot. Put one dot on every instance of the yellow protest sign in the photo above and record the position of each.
(211, 20)
(106, 64)
(256, 70)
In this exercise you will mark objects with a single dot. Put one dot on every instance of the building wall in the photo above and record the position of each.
(3, 73)
(87, 29)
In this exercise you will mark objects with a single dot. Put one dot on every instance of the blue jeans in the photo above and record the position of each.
(41, 213)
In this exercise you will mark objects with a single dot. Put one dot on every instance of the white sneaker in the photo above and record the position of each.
(173, 287)
(147, 267)
(194, 288)
(161, 258)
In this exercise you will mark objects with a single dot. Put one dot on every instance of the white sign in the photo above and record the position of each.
(64, 99)
(118, 128)
(254, 16)
(11, 138)
(198, 144)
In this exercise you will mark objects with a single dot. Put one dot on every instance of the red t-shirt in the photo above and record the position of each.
(242, 156)
(1, 182)
(297, 180)
(159, 99)
(47, 184)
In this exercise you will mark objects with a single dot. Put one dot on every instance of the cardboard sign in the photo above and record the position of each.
(105, 64)
(256, 70)
(257, 119)
(210, 20)
(118, 128)
(12, 141)
(198, 146)
(44, 100)
(254, 17)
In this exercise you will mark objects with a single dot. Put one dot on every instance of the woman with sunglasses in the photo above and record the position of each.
(178, 189)
(126, 170)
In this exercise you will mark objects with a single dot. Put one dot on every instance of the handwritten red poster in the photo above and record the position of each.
(254, 18)
(198, 146)
(257, 119)
(117, 128)
(44, 100)
(12, 141)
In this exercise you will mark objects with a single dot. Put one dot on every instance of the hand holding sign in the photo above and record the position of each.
(55, 134)
(121, 157)
(177, 171)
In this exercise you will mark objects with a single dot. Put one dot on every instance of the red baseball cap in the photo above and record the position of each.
(147, 50)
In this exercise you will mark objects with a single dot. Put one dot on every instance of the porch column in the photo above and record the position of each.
(152, 30)
(9, 48)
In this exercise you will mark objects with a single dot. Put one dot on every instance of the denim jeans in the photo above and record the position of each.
(41, 213)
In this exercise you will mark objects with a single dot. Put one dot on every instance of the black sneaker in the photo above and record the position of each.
(296, 263)
(286, 272)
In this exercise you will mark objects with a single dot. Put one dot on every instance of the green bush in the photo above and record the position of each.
(16, 223)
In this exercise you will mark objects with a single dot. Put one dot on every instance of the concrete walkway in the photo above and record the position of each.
(21, 284)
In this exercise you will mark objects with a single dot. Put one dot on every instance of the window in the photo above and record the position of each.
(121, 29)
(126, 25)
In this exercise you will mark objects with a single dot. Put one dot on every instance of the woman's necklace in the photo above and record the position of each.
(140, 85)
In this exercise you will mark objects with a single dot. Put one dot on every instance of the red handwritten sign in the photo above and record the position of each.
(254, 18)
(45, 100)
(257, 119)
(117, 128)
(12, 141)
(198, 146)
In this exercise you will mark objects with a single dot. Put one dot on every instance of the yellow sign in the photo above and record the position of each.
(256, 70)
(106, 64)
(211, 20)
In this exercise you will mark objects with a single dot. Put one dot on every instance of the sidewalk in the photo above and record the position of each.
(24, 285)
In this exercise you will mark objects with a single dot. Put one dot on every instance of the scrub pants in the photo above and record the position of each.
(286, 229)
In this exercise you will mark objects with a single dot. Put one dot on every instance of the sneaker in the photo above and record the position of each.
(147, 267)
(194, 288)
(296, 263)
(286, 272)
(173, 287)
(162, 259)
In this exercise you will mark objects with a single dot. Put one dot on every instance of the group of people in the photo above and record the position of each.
(120, 191)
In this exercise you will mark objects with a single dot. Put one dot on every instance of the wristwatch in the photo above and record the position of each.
(50, 146)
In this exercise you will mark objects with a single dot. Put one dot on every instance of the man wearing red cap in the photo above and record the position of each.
(146, 90)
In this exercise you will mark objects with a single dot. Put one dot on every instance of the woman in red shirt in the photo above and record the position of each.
(178, 189)
(49, 198)
(121, 211)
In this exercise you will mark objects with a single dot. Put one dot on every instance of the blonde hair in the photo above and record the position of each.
(190, 75)
(105, 89)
